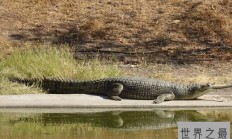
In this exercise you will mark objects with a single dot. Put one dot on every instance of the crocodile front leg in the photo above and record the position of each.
(161, 98)
(115, 91)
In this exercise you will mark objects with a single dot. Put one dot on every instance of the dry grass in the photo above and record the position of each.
(46, 61)
(179, 31)
(136, 24)
(214, 73)
(42, 60)
(185, 31)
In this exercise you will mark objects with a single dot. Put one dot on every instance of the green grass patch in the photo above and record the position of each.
(41, 61)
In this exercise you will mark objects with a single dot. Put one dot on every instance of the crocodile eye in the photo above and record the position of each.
(205, 86)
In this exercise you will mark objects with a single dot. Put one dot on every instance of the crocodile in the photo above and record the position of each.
(115, 88)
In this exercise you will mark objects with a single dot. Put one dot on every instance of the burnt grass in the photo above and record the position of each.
(157, 31)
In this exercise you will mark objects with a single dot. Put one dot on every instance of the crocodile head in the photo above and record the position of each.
(196, 90)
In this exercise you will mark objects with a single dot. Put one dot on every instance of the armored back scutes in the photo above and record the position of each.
(120, 87)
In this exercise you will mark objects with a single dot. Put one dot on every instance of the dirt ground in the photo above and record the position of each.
(167, 39)
(134, 31)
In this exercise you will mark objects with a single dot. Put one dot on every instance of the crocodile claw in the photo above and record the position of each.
(117, 98)
(157, 101)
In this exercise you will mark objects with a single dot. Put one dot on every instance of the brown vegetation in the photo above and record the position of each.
(180, 30)
(177, 32)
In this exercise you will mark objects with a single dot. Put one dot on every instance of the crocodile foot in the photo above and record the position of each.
(157, 101)
(117, 98)
(163, 97)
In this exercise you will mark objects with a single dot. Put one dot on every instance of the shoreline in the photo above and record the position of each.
(92, 101)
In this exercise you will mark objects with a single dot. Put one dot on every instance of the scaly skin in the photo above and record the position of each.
(123, 87)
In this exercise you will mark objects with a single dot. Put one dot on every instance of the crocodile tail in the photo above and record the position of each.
(47, 85)
(26, 81)
(51, 85)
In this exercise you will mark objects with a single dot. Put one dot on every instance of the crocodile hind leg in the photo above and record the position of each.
(115, 91)
(163, 97)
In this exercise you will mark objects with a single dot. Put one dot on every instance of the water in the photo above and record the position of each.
(101, 124)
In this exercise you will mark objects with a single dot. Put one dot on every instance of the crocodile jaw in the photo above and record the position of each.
(195, 91)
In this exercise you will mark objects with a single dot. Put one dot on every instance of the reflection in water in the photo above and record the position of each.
(147, 124)
(125, 119)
